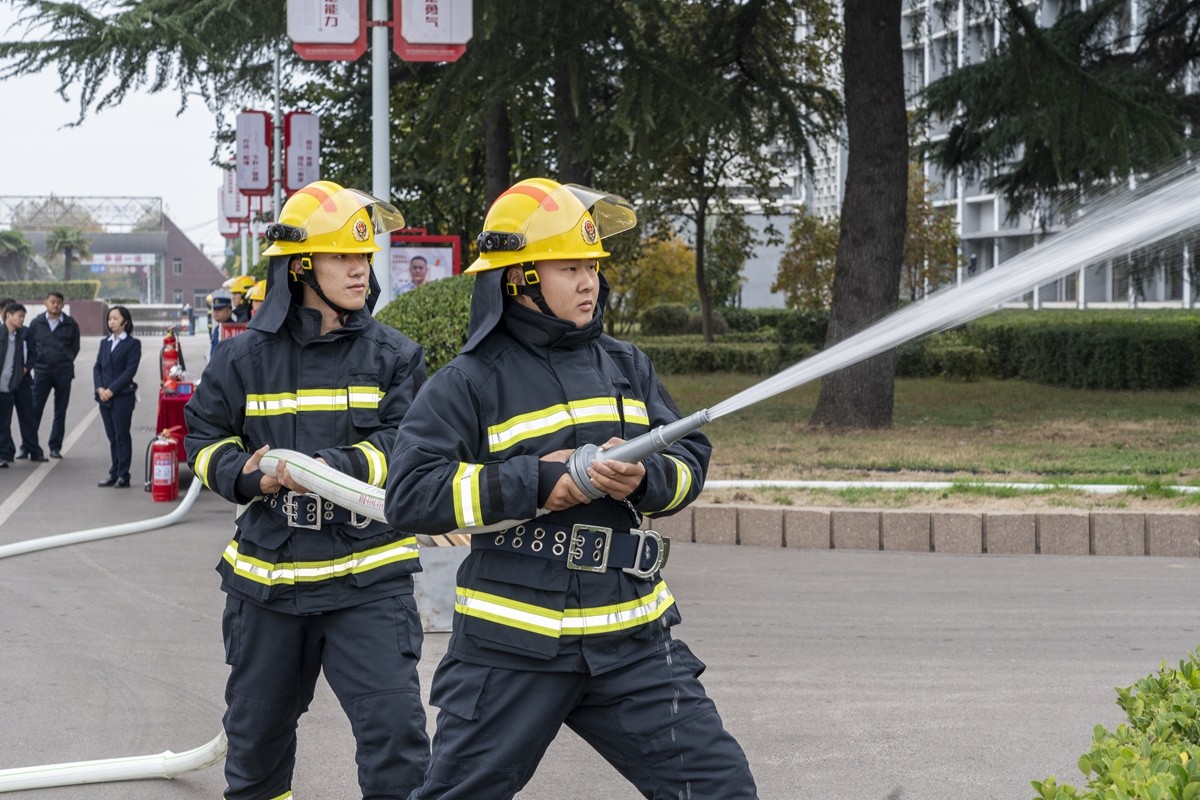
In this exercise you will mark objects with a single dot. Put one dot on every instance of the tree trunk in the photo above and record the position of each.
(706, 326)
(497, 151)
(574, 166)
(866, 280)
(68, 257)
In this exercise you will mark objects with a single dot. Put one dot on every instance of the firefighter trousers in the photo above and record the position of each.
(650, 719)
(369, 654)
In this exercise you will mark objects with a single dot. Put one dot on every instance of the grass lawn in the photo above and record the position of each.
(990, 431)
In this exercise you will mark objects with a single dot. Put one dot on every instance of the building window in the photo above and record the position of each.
(179, 297)
(177, 266)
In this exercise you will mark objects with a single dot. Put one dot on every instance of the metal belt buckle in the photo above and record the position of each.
(660, 558)
(292, 509)
(358, 522)
(581, 540)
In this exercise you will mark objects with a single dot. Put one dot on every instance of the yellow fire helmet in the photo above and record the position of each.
(241, 284)
(258, 291)
(539, 220)
(324, 217)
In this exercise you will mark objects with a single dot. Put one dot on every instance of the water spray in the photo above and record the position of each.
(1163, 209)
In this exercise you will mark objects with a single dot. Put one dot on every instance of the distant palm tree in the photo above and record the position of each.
(15, 251)
(70, 242)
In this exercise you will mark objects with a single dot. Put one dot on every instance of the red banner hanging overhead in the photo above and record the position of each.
(234, 206)
(254, 152)
(431, 30)
(328, 30)
(301, 150)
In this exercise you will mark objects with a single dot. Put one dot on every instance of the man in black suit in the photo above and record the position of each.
(57, 338)
(17, 355)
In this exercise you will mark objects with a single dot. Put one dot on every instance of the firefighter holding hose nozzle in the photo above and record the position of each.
(565, 619)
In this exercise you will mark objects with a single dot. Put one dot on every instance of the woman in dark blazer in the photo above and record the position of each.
(116, 391)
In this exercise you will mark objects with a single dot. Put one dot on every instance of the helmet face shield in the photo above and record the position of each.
(539, 220)
(333, 213)
(324, 217)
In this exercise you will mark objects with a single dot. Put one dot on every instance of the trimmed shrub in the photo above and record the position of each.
(665, 319)
(1092, 349)
(741, 320)
(673, 357)
(435, 315)
(1157, 755)
(961, 362)
(803, 327)
(695, 324)
(37, 290)
(769, 317)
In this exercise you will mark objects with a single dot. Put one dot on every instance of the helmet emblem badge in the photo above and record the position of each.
(360, 231)
(588, 229)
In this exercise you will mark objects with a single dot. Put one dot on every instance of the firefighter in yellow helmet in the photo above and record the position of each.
(238, 287)
(257, 293)
(311, 587)
(562, 613)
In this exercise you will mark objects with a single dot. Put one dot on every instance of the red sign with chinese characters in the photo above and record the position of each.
(328, 30)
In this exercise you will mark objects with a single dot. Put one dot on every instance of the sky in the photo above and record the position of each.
(137, 149)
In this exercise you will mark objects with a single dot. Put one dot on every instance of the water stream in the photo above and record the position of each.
(1127, 222)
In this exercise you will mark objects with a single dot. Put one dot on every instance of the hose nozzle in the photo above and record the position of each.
(632, 451)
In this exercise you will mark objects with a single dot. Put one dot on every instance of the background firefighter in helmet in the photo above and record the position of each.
(311, 587)
(256, 295)
(566, 618)
(240, 287)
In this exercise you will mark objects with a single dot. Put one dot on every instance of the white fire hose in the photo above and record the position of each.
(163, 765)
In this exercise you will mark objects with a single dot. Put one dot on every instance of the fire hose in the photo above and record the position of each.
(162, 765)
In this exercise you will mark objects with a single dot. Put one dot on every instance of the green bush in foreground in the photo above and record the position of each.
(1156, 756)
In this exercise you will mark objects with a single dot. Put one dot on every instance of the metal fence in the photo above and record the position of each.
(154, 320)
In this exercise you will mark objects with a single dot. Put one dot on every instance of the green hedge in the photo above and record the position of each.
(434, 315)
(1092, 349)
(673, 357)
(1156, 756)
(665, 319)
(37, 290)
(802, 327)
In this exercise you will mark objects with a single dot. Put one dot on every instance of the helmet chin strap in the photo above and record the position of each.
(308, 277)
(531, 289)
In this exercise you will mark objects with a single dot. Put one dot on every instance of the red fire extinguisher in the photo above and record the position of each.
(170, 354)
(164, 467)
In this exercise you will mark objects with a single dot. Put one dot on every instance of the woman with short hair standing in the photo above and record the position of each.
(116, 392)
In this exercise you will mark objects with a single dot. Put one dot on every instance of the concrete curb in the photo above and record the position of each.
(1174, 534)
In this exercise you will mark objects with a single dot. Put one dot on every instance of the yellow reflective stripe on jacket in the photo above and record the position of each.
(683, 483)
(274, 404)
(577, 412)
(572, 621)
(468, 512)
(205, 456)
(376, 463)
(311, 571)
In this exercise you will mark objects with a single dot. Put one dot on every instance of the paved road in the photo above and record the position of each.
(844, 674)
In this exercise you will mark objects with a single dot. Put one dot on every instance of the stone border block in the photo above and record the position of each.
(1010, 533)
(1118, 533)
(760, 526)
(905, 530)
(1064, 533)
(855, 530)
(956, 532)
(807, 528)
(715, 524)
(1175, 534)
(677, 527)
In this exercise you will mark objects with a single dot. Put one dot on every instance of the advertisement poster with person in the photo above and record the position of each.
(418, 260)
